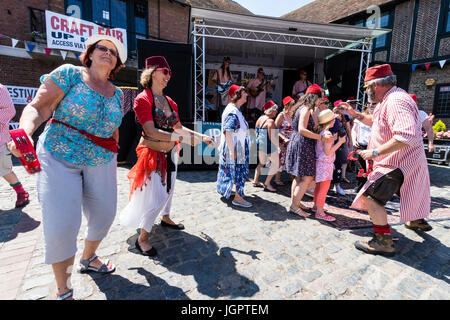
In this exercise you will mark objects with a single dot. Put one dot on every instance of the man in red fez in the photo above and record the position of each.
(399, 163)
(301, 85)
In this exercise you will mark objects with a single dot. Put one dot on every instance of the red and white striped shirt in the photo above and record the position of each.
(7, 112)
(396, 116)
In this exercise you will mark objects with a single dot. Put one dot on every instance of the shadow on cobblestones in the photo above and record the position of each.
(213, 268)
(13, 222)
(429, 256)
(116, 287)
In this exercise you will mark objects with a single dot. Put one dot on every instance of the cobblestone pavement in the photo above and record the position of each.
(224, 253)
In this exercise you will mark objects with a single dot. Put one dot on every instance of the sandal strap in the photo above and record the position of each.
(85, 263)
(66, 295)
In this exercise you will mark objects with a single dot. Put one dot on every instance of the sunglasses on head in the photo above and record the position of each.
(106, 49)
(165, 71)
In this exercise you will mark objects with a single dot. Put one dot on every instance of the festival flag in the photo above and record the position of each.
(14, 42)
(414, 66)
(30, 46)
(77, 55)
(427, 65)
(442, 62)
(47, 51)
(63, 54)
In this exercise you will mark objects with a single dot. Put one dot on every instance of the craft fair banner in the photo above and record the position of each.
(69, 33)
(21, 95)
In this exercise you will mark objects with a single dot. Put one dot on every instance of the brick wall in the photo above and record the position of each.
(17, 24)
(444, 47)
(401, 31)
(171, 22)
(426, 95)
(427, 21)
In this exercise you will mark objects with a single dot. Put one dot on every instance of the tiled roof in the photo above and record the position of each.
(224, 5)
(326, 11)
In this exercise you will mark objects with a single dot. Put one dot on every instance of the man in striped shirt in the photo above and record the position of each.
(399, 163)
(7, 112)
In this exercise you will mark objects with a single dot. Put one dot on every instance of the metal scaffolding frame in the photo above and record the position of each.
(201, 31)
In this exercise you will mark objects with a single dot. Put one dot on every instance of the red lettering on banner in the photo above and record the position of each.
(54, 22)
(64, 26)
(100, 31)
(119, 35)
(74, 28)
(108, 32)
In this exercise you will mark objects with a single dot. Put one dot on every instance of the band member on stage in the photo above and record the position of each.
(223, 79)
(234, 156)
(7, 112)
(77, 152)
(267, 145)
(257, 89)
(301, 85)
(399, 163)
(152, 179)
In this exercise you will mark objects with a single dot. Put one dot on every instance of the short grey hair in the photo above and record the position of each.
(385, 82)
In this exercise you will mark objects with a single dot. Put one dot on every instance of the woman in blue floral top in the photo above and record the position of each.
(77, 151)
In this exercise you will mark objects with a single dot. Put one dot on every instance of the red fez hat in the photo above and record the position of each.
(156, 62)
(351, 98)
(325, 98)
(260, 70)
(302, 71)
(232, 90)
(413, 96)
(287, 99)
(378, 71)
(337, 103)
(314, 89)
(269, 104)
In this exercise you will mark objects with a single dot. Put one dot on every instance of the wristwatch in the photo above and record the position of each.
(375, 152)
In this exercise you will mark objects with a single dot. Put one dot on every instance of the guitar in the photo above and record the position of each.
(260, 88)
(225, 88)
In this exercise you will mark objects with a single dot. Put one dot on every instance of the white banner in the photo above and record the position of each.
(69, 33)
(21, 95)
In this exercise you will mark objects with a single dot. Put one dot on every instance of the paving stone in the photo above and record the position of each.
(311, 276)
(326, 296)
(293, 288)
(37, 282)
(36, 294)
(410, 288)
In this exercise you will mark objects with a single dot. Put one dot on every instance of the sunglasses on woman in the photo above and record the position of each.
(165, 71)
(106, 49)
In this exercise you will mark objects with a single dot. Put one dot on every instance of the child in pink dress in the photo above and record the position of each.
(325, 156)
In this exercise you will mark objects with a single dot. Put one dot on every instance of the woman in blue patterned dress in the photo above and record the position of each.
(234, 149)
(301, 150)
(77, 151)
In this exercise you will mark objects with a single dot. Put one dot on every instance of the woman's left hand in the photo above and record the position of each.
(208, 140)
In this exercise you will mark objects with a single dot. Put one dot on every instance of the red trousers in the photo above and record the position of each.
(320, 193)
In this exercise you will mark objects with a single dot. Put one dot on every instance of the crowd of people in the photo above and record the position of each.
(307, 139)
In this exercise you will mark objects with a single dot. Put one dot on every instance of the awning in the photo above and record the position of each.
(276, 42)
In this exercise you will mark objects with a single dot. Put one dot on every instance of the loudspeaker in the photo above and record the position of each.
(179, 56)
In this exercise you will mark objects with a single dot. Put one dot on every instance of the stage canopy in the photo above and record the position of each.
(271, 42)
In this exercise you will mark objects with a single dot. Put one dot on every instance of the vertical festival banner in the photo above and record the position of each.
(69, 33)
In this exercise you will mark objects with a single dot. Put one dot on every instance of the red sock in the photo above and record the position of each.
(382, 229)
(18, 188)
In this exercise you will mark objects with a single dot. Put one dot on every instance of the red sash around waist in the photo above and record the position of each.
(107, 143)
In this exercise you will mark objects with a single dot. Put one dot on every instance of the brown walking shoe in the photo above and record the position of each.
(380, 244)
(420, 224)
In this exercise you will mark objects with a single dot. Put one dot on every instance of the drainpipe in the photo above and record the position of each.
(159, 19)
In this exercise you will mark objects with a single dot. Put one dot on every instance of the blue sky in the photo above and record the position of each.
(274, 8)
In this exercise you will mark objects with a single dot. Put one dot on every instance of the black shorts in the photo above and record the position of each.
(383, 189)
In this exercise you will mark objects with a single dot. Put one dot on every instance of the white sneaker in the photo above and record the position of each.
(339, 190)
(243, 203)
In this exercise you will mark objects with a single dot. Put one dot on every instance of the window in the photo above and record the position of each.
(110, 13)
(381, 41)
(74, 8)
(442, 100)
(447, 18)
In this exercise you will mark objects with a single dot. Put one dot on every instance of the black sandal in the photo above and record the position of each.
(66, 295)
(149, 253)
(85, 267)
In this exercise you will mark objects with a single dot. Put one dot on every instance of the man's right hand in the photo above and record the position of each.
(349, 109)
